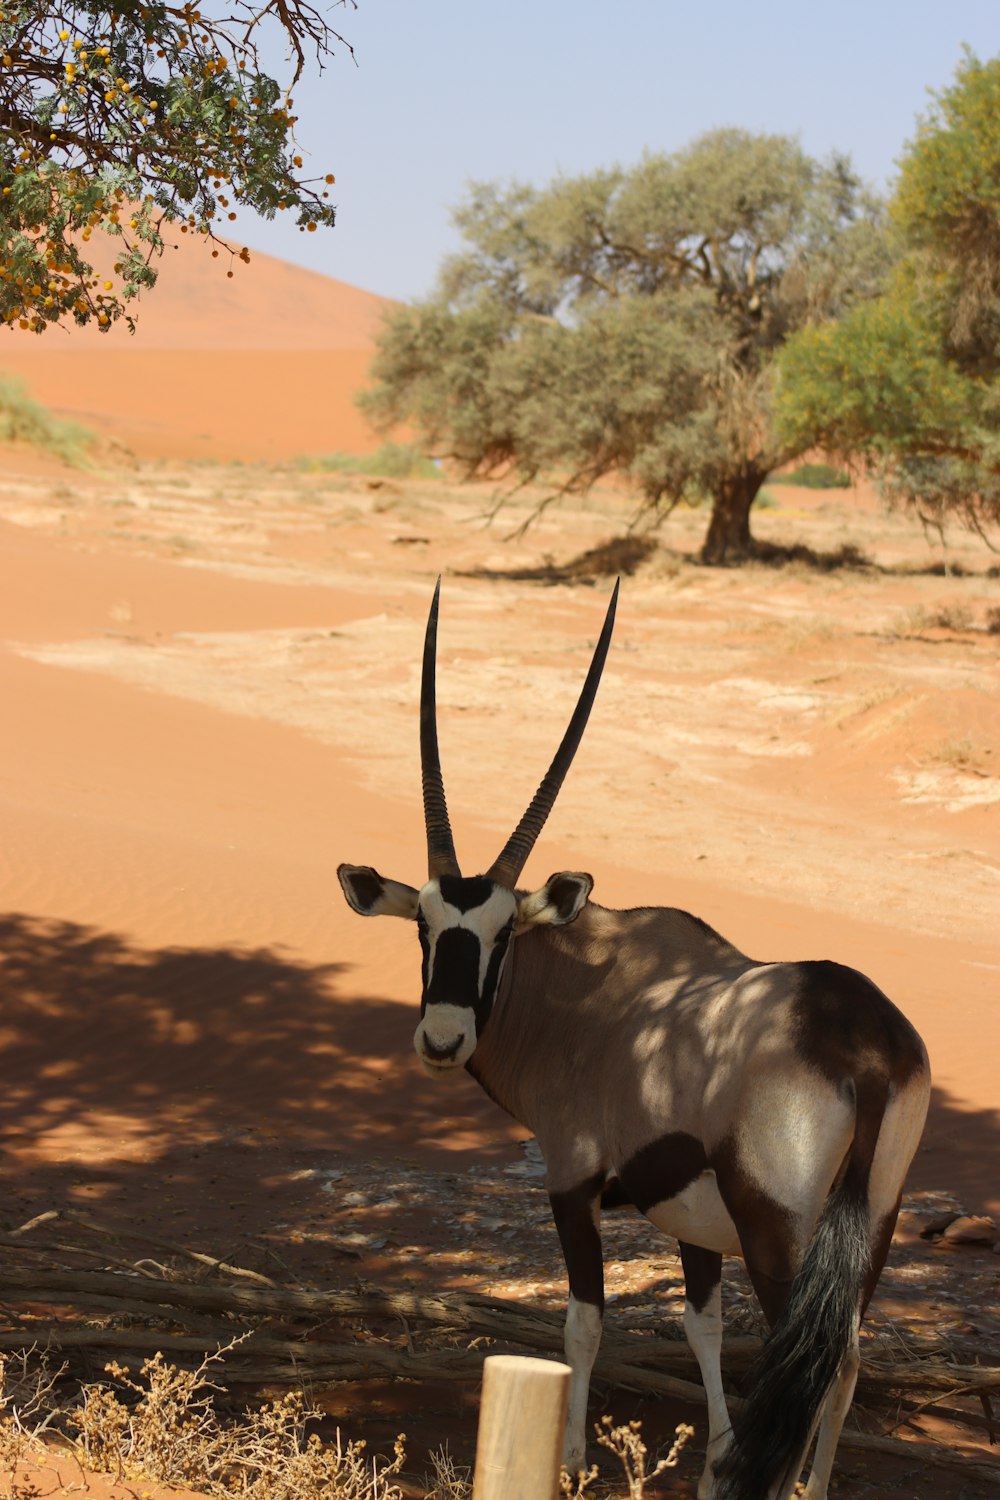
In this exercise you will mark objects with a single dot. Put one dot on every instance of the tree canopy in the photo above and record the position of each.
(909, 381)
(121, 116)
(627, 321)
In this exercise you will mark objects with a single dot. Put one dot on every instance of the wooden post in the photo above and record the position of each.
(522, 1418)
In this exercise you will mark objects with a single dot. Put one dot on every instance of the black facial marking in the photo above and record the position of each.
(425, 958)
(493, 973)
(663, 1169)
(465, 893)
(455, 980)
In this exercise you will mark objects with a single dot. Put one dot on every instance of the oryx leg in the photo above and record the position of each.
(703, 1327)
(577, 1218)
(835, 1409)
(772, 1253)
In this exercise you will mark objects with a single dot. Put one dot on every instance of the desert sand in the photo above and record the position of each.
(210, 677)
(209, 672)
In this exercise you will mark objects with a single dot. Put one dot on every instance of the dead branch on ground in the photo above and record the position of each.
(289, 1334)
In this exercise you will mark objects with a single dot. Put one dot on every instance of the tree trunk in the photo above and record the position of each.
(729, 539)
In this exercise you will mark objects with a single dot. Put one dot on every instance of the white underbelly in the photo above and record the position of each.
(698, 1216)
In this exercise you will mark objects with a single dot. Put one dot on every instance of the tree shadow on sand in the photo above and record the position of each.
(220, 1080)
(179, 1082)
(625, 555)
(261, 1110)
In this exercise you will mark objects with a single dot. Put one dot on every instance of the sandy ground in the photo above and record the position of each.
(210, 679)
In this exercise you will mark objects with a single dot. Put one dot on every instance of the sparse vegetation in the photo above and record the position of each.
(28, 1404)
(627, 322)
(389, 461)
(626, 1443)
(956, 617)
(163, 1425)
(447, 1480)
(963, 754)
(25, 420)
(451, 1481)
(910, 380)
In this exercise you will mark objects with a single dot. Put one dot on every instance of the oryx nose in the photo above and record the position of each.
(443, 1054)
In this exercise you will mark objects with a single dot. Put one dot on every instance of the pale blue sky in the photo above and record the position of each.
(449, 91)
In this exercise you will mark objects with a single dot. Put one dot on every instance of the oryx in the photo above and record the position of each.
(767, 1110)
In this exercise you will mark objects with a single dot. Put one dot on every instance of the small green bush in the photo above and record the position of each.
(389, 461)
(814, 477)
(24, 420)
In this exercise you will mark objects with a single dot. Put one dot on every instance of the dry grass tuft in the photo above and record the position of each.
(162, 1425)
(448, 1480)
(963, 754)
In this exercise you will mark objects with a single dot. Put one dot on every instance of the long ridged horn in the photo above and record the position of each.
(441, 858)
(511, 862)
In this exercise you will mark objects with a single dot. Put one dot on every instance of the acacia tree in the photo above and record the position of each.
(910, 382)
(628, 321)
(123, 116)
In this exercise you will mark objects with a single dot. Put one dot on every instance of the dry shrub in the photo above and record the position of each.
(451, 1481)
(162, 1425)
(625, 1442)
(167, 1429)
(28, 1404)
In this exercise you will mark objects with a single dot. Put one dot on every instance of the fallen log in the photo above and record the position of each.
(215, 1312)
(471, 1314)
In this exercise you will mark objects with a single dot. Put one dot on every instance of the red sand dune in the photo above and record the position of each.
(260, 366)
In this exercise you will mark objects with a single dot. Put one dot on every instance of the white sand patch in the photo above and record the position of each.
(953, 791)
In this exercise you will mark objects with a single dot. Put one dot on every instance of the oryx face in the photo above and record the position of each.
(465, 927)
(466, 923)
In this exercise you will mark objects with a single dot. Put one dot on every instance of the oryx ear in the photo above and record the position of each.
(560, 900)
(372, 895)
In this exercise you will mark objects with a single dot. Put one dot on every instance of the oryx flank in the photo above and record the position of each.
(767, 1110)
